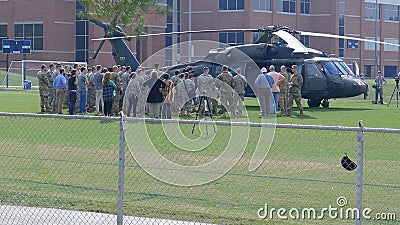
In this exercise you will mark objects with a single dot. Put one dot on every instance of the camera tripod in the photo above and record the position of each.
(207, 112)
(396, 89)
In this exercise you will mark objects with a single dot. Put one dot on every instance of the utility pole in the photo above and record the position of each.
(190, 35)
(175, 29)
(376, 37)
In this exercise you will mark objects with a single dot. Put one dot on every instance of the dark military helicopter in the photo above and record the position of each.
(324, 77)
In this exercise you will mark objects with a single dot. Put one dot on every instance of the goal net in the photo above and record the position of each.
(24, 71)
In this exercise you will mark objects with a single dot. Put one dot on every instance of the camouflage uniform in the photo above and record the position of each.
(43, 90)
(91, 92)
(117, 80)
(240, 88)
(295, 93)
(226, 96)
(141, 105)
(283, 96)
(52, 90)
(205, 87)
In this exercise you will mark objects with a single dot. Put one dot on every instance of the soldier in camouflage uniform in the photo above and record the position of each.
(205, 88)
(142, 104)
(43, 88)
(240, 88)
(226, 95)
(283, 87)
(52, 90)
(91, 90)
(294, 84)
(117, 81)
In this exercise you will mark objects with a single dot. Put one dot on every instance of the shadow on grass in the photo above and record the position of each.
(320, 109)
(335, 109)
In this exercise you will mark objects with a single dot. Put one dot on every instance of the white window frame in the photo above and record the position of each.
(262, 5)
(303, 4)
(280, 6)
(161, 2)
(394, 13)
(232, 10)
(373, 8)
(305, 40)
(227, 37)
(391, 48)
(370, 46)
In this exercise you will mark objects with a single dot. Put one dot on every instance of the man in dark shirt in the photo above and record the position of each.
(72, 85)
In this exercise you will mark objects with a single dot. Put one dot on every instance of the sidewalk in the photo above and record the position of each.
(20, 215)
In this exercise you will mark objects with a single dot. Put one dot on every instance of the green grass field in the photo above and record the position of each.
(72, 164)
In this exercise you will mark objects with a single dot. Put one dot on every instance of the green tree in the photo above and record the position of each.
(121, 12)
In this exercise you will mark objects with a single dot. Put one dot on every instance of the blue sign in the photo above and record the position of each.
(352, 43)
(16, 46)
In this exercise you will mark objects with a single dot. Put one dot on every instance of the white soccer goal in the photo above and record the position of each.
(26, 70)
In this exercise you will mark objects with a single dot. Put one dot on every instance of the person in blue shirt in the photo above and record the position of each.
(60, 84)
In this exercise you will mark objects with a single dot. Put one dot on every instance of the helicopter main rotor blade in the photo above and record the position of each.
(179, 32)
(344, 37)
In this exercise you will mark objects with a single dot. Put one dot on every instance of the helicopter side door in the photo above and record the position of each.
(314, 79)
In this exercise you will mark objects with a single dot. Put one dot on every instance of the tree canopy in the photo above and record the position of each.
(121, 12)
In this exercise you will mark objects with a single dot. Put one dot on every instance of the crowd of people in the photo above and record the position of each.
(156, 93)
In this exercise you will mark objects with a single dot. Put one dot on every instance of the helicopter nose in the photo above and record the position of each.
(354, 87)
(359, 86)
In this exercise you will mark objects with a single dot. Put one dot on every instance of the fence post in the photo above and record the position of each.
(359, 182)
(121, 171)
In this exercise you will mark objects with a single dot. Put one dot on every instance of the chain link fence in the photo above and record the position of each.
(73, 170)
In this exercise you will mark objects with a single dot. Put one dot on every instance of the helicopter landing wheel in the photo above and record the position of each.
(325, 103)
(313, 103)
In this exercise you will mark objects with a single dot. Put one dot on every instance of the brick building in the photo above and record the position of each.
(57, 34)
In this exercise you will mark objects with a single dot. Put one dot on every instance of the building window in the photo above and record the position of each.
(287, 6)
(391, 48)
(161, 2)
(391, 13)
(256, 36)
(30, 31)
(231, 5)
(371, 45)
(305, 39)
(352, 44)
(390, 71)
(81, 36)
(231, 38)
(3, 34)
(368, 70)
(168, 38)
(371, 11)
(262, 5)
(305, 6)
(342, 6)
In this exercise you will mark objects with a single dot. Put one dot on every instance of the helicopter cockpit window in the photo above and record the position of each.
(344, 68)
(312, 71)
(330, 68)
